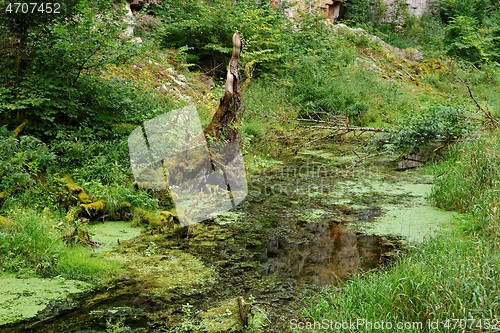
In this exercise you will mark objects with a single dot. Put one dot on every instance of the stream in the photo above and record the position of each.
(309, 221)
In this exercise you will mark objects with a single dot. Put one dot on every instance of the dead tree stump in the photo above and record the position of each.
(220, 128)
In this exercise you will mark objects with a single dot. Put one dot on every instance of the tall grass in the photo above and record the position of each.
(30, 244)
(469, 182)
(452, 276)
(447, 278)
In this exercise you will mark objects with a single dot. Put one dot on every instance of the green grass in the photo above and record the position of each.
(452, 276)
(30, 244)
(448, 277)
(469, 182)
(79, 263)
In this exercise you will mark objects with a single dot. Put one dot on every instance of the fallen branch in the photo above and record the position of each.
(486, 113)
(362, 159)
(20, 128)
(350, 128)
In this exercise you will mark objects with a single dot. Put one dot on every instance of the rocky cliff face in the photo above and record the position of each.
(417, 7)
(332, 8)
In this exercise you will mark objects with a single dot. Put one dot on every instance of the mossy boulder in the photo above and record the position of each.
(157, 223)
(94, 208)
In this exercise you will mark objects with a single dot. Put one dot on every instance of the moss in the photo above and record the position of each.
(5, 222)
(224, 317)
(165, 273)
(74, 188)
(84, 197)
(125, 205)
(158, 224)
(143, 216)
(71, 185)
(177, 272)
(73, 213)
(93, 208)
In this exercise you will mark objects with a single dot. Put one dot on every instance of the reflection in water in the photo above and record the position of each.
(332, 253)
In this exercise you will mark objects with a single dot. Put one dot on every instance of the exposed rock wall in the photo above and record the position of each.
(417, 7)
(331, 8)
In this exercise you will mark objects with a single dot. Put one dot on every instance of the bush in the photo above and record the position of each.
(449, 9)
(437, 124)
(331, 82)
(472, 29)
(91, 160)
(56, 81)
(468, 40)
(364, 12)
(206, 29)
(29, 243)
(23, 161)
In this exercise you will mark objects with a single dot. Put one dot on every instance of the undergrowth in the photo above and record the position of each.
(30, 244)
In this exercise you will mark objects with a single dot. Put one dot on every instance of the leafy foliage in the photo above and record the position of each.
(467, 39)
(364, 12)
(478, 9)
(472, 28)
(206, 29)
(22, 161)
(48, 89)
(437, 124)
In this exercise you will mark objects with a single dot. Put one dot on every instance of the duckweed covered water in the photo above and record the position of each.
(308, 222)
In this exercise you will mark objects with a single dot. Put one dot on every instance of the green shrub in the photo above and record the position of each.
(92, 160)
(364, 12)
(206, 28)
(437, 124)
(29, 243)
(478, 9)
(22, 161)
(331, 82)
(120, 200)
(468, 40)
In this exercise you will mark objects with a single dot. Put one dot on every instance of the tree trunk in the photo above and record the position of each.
(220, 128)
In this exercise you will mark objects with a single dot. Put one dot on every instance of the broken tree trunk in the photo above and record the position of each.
(220, 128)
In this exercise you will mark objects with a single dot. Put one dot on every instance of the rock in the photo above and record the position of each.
(406, 164)
(163, 89)
(413, 55)
(137, 40)
(404, 54)
(179, 83)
